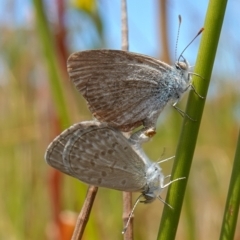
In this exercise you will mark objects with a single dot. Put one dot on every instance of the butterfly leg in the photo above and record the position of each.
(182, 113)
(170, 182)
(194, 89)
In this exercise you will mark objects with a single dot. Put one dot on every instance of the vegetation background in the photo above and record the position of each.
(37, 102)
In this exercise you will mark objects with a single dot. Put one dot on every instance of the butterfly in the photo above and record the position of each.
(128, 89)
(100, 155)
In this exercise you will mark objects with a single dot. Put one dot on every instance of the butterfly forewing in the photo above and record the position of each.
(102, 156)
(116, 84)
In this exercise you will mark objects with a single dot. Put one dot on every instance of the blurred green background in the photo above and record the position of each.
(37, 102)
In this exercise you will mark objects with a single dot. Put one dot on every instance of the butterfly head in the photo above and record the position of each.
(155, 183)
(183, 68)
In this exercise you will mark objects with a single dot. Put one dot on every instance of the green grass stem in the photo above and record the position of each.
(195, 106)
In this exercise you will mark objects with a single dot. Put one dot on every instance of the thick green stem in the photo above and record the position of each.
(195, 106)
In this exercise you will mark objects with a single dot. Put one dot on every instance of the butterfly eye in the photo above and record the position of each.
(182, 65)
(177, 66)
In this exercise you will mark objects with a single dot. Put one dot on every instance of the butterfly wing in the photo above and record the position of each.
(99, 155)
(120, 87)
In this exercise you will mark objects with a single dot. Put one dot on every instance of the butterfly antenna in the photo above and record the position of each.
(179, 25)
(130, 215)
(181, 55)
